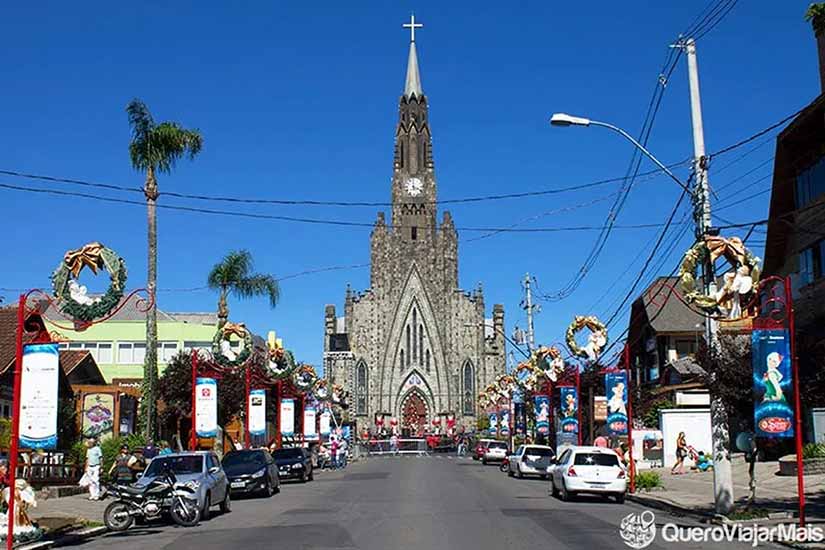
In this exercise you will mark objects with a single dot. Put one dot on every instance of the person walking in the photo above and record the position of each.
(342, 453)
(681, 454)
(91, 475)
(333, 447)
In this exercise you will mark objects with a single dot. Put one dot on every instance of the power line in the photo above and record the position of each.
(755, 136)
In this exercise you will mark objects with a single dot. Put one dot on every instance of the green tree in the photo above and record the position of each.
(155, 148)
(234, 274)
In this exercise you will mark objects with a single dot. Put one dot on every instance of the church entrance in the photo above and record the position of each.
(414, 415)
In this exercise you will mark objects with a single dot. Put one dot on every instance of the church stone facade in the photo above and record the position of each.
(414, 346)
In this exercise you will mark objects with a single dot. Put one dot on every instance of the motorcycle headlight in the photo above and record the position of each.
(297, 466)
(259, 473)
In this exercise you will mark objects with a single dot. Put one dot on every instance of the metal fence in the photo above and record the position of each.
(379, 447)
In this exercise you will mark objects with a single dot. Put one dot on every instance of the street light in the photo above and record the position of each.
(476, 325)
(564, 120)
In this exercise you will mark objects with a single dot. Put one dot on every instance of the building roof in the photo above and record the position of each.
(8, 334)
(132, 308)
(195, 318)
(659, 305)
(412, 85)
(686, 367)
(80, 367)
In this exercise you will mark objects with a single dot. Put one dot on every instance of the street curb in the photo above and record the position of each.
(69, 538)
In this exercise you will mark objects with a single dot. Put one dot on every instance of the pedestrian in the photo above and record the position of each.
(121, 471)
(4, 474)
(91, 474)
(333, 446)
(138, 464)
(165, 449)
(394, 444)
(150, 451)
(681, 454)
(342, 453)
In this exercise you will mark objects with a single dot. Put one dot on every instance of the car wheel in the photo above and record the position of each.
(484, 461)
(226, 505)
(553, 489)
(510, 472)
(520, 474)
(207, 504)
(566, 495)
(620, 498)
(304, 476)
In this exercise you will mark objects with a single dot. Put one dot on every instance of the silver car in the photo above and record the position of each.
(530, 460)
(201, 471)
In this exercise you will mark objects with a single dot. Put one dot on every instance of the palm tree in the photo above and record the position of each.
(234, 274)
(155, 148)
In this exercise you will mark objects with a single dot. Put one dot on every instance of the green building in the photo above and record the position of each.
(119, 344)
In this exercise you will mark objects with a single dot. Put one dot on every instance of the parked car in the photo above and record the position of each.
(293, 462)
(593, 470)
(201, 471)
(531, 460)
(252, 471)
(480, 448)
(496, 451)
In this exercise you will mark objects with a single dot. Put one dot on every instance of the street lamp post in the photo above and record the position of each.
(723, 482)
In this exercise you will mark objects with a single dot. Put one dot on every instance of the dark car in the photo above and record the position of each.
(293, 463)
(251, 471)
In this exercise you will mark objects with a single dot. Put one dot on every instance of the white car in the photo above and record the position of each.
(591, 470)
(530, 460)
(496, 451)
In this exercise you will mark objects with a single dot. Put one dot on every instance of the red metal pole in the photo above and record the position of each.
(278, 392)
(247, 382)
(631, 465)
(578, 406)
(193, 437)
(15, 421)
(800, 478)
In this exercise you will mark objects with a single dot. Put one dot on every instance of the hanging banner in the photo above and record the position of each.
(206, 407)
(521, 418)
(616, 391)
(309, 424)
(98, 415)
(493, 429)
(772, 383)
(505, 422)
(38, 396)
(569, 411)
(325, 423)
(287, 417)
(541, 407)
(257, 412)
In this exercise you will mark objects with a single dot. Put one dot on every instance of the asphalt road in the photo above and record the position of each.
(405, 502)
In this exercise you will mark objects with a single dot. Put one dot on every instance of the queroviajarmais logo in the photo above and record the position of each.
(638, 530)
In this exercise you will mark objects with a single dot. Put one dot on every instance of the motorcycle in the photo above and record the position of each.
(505, 464)
(162, 494)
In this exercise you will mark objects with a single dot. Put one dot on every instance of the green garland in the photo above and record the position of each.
(61, 278)
(222, 359)
(693, 258)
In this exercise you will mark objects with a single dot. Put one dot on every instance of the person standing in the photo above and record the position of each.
(121, 467)
(150, 451)
(394, 444)
(681, 454)
(342, 453)
(92, 468)
(333, 446)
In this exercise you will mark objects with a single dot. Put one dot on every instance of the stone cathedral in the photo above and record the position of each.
(414, 346)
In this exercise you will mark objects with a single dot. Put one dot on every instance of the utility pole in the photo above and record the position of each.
(528, 305)
(722, 477)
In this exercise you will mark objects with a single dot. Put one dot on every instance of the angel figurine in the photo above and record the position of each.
(79, 294)
(595, 343)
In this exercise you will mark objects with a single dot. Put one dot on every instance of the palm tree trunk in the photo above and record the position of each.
(150, 366)
(223, 308)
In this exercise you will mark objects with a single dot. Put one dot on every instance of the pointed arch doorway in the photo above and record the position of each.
(414, 414)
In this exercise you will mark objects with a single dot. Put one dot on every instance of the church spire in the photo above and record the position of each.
(412, 85)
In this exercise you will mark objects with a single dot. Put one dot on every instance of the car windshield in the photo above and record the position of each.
(188, 464)
(242, 458)
(287, 453)
(596, 459)
(497, 445)
(538, 451)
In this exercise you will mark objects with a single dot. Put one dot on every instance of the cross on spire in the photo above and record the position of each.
(412, 25)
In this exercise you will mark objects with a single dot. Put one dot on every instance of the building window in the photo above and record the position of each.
(131, 353)
(685, 348)
(5, 408)
(415, 354)
(167, 350)
(810, 183)
(428, 360)
(101, 351)
(189, 346)
(408, 345)
(421, 342)
(414, 232)
(812, 263)
(402, 359)
(469, 389)
(361, 388)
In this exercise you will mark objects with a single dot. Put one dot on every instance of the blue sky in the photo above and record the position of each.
(299, 101)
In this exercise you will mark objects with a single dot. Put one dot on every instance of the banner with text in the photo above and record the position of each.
(325, 423)
(206, 407)
(493, 429)
(38, 396)
(257, 412)
(287, 414)
(309, 424)
(772, 383)
(569, 411)
(541, 407)
(616, 392)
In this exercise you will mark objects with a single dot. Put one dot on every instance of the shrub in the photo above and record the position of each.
(813, 450)
(648, 480)
(77, 453)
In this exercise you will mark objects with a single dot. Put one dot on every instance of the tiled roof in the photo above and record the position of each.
(686, 366)
(196, 318)
(8, 333)
(71, 358)
(675, 316)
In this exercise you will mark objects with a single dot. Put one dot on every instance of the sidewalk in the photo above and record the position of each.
(692, 492)
(76, 507)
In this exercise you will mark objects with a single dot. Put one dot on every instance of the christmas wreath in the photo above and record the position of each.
(278, 362)
(549, 361)
(339, 396)
(595, 342)
(738, 283)
(305, 377)
(527, 375)
(221, 345)
(321, 390)
(72, 296)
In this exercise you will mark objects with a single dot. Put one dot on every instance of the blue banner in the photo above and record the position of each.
(505, 422)
(772, 383)
(521, 420)
(569, 411)
(493, 429)
(541, 407)
(616, 391)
